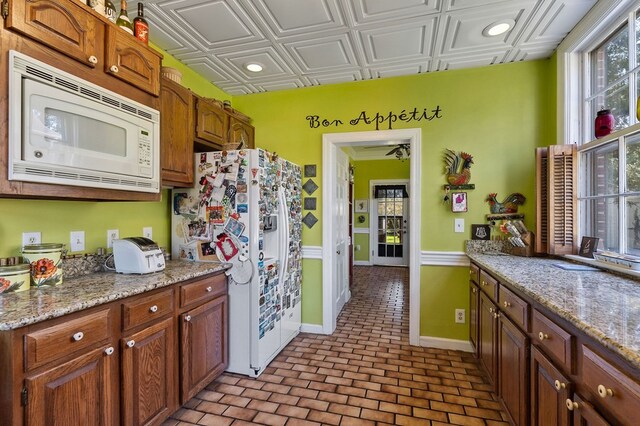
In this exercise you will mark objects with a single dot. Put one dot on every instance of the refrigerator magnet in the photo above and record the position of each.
(227, 248)
(234, 227)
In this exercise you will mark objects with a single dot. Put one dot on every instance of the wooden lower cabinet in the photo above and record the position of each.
(513, 370)
(549, 392)
(474, 295)
(203, 345)
(82, 391)
(583, 413)
(487, 337)
(147, 380)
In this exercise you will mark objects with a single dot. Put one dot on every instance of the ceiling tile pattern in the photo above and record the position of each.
(303, 43)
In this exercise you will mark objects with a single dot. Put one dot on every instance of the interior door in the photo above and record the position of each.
(389, 223)
(341, 225)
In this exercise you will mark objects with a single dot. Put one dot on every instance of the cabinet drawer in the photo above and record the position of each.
(515, 308)
(143, 309)
(618, 394)
(203, 290)
(474, 271)
(555, 342)
(489, 285)
(54, 342)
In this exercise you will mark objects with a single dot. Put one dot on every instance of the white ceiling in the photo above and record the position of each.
(305, 43)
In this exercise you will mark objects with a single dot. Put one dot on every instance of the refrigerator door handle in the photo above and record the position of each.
(284, 235)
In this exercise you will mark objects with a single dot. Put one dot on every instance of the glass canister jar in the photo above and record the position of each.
(14, 278)
(604, 123)
(45, 262)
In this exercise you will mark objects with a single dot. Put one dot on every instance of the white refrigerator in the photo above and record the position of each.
(246, 209)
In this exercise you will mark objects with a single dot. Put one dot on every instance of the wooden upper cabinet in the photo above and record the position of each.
(130, 61)
(241, 133)
(63, 25)
(212, 123)
(176, 134)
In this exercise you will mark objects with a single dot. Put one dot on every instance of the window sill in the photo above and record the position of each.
(603, 265)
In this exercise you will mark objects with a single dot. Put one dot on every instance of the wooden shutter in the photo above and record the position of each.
(557, 204)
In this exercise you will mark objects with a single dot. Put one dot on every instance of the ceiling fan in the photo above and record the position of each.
(401, 151)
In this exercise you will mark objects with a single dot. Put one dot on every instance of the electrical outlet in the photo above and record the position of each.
(460, 314)
(31, 238)
(76, 238)
(147, 232)
(357, 247)
(458, 225)
(112, 234)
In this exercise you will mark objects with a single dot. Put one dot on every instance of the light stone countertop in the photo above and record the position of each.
(603, 305)
(75, 294)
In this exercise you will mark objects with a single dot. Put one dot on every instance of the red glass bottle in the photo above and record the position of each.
(140, 25)
(604, 123)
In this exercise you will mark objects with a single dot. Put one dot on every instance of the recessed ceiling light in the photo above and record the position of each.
(254, 67)
(498, 28)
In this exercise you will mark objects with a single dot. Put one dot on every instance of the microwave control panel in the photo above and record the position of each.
(144, 152)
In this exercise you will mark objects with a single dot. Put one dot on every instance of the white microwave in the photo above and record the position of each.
(65, 130)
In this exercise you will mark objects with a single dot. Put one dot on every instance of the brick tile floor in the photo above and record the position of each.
(364, 374)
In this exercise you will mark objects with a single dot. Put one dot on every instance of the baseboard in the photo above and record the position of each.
(311, 328)
(361, 263)
(442, 343)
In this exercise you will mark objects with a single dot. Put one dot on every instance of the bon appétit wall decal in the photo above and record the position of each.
(381, 120)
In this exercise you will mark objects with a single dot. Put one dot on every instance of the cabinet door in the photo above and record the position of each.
(79, 392)
(549, 392)
(131, 61)
(487, 337)
(203, 345)
(474, 295)
(148, 380)
(583, 413)
(176, 134)
(63, 25)
(513, 370)
(241, 132)
(211, 123)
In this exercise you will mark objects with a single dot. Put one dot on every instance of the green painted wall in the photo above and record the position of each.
(499, 114)
(364, 172)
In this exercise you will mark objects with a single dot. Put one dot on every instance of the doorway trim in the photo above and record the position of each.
(331, 142)
(373, 234)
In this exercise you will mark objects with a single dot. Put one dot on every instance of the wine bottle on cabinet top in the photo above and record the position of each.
(123, 19)
(140, 25)
(110, 11)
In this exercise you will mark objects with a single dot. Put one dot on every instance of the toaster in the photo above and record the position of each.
(137, 255)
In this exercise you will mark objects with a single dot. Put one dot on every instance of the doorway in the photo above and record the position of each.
(389, 224)
(332, 143)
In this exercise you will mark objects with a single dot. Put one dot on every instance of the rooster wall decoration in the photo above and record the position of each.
(508, 205)
(457, 167)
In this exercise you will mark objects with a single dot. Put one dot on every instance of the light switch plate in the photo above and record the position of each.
(458, 225)
(76, 240)
(147, 232)
(112, 234)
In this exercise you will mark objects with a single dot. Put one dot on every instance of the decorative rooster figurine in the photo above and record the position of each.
(452, 162)
(508, 205)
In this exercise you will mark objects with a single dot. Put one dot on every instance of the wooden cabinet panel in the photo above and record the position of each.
(212, 123)
(474, 273)
(487, 336)
(515, 308)
(202, 290)
(63, 25)
(176, 134)
(549, 392)
(513, 370)
(51, 343)
(583, 413)
(555, 341)
(129, 60)
(617, 393)
(489, 285)
(240, 133)
(203, 346)
(474, 295)
(144, 309)
(79, 392)
(148, 382)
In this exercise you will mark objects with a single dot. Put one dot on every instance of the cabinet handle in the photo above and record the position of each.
(209, 289)
(542, 336)
(131, 343)
(153, 309)
(496, 315)
(109, 350)
(571, 405)
(474, 290)
(114, 69)
(93, 60)
(506, 304)
(491, 310)
(484, 282)
(559, 385)
(78, 336)
(604, 392)
(187, 318)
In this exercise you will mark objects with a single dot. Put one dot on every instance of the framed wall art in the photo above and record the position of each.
(459, 202)
(361, 206)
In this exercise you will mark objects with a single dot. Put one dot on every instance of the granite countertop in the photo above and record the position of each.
(604, 305)
(74, 294)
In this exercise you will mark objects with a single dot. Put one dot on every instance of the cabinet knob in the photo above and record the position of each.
(483, 282)
(131, 343)
(571, 405)
(93, 60)
(209, 289)
(153, 309)
(559, 385)
(187, 318)
(496, 315)
(474, 291)
(506, 304)
(109, 350)
(78, 336)
(542, 336)
(604, 392)
(114, 69)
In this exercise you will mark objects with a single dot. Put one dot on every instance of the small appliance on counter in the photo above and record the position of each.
(137, 255)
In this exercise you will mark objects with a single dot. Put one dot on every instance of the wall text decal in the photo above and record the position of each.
(379, 119)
